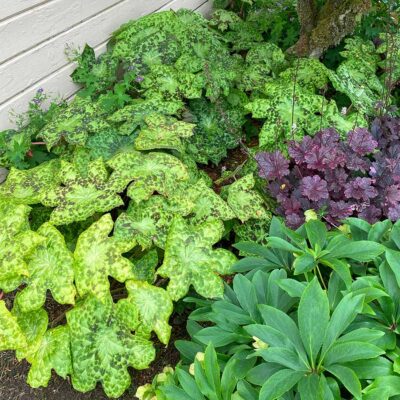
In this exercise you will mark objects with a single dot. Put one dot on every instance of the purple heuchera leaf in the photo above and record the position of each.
(314, 188)
(293, 221)
(392, 195)
(360, 189)
(341, 209)
(355, 163)
(336, 179)
(394, 213)
(371, 214)
(298, 150)
(272, 165)
(361, 141)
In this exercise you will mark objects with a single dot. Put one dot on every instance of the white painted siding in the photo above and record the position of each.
(33, 35)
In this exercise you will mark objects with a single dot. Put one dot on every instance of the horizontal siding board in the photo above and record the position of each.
(49, 56)
(8, 8)
(205, 9)
(177, 4)
(58, 83)
(24, 31)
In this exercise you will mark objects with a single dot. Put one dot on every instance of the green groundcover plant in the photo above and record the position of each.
(296, 336)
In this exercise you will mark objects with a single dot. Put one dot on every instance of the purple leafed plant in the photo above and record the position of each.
(359, 177)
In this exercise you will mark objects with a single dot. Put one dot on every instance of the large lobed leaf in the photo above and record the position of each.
(74, 124)
(17, 241)
(82, 193)
(190, 260)
(50, 267)
(103, 347)
(98, 256)
(149, 173)
(30, 186)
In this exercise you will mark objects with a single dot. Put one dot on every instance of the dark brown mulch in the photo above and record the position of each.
(13, 374)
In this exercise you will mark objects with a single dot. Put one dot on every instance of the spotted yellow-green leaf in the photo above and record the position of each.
(163, 133)
(33, 324)
(103, 348)
(45, 350)
(246, 202)
(53, 353)
(148, 223)
(190, 259)
(149, 173)
(171, 83)
(11, 335)
(291, 117)
(154, 306)
(29, 186)
(207, 204)
(50, 268)
(17, 241)
(145, 266)
(81, 195)
(98, 256)
(82, 117)
(132, 116)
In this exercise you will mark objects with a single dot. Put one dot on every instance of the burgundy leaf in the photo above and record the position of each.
(370, 214)
(392, 195)
(272, 165)
(360, 189)
(341, 209)
(361, 141)
(314, 188)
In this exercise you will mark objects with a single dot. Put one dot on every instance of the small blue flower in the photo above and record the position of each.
(40, 90)
(139, 79)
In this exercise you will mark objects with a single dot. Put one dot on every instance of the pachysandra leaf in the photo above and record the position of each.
(163, 133)
(29, 186)
(79, 197)
(74, 124)
(154, 306)
(245, 202)
(190, 260)
(103, 348)
(149, 173)
(50, 267)
(98, 256)
(17, 241)
(11, 335)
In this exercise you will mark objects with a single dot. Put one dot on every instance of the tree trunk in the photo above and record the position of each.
(327, 26)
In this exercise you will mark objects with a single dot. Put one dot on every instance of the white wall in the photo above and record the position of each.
(33, 35)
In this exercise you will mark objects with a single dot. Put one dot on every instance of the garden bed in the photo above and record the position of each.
(214, 216)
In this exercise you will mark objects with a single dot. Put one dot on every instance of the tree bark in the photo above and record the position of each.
(326, 27)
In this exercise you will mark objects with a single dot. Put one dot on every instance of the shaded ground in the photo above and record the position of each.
(13, 374)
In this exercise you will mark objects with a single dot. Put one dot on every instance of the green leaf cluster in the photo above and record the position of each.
(297, 335)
